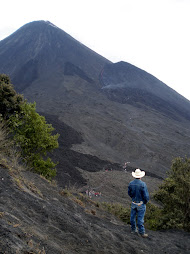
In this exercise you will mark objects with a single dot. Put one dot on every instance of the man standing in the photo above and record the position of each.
(138, 191)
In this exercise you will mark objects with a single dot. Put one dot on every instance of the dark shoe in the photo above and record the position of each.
(144, 235)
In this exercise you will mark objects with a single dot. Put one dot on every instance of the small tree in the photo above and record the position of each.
(10, 101)
(174, 194)
(35, 138)
(29, 130)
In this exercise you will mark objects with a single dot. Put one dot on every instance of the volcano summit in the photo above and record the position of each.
(105, 112)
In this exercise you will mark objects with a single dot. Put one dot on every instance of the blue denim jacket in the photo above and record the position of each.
(138, 191)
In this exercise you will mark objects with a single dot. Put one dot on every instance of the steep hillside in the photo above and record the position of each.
(127, 84)
(118, 112)
(37, 217)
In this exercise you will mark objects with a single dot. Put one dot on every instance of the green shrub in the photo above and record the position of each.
(34, 137)
(28, 129)
(44, 167)
(123, 213)
(174, 195)
(10, 101)
(153, 216)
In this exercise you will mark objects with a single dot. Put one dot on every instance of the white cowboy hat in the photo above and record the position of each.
(138, 173)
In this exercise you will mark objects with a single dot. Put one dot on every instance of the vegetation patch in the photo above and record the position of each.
(29, 130)
(174, 195)
(78, 201)
(2, 214)
(121, 212)
(90, 211)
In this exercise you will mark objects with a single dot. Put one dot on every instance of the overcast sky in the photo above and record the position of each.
(153, 35)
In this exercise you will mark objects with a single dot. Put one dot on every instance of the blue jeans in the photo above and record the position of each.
(138, 211)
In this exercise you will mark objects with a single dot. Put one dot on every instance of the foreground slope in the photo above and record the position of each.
(37, 217)
(112, 113)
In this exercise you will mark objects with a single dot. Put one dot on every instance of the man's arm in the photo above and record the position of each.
(145, 194)
(129, 191)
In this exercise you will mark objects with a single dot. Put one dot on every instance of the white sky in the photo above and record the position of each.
(153, 35)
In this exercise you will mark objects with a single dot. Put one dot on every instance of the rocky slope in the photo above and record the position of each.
(38, 217)
(127, 84)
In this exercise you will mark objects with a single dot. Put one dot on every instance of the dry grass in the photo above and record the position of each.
(32, 187)
(78, 201)
(2, 214)
(10, 159)
(73, 196)
(9, 156)
(65, 192)
(5, 143)
(36, 249)
(52, 182)
(90, 211)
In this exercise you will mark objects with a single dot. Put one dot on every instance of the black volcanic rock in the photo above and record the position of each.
(71, 70)
(120, 112)
(37, 217)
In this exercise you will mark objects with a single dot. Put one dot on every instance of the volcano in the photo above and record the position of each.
(106, 113)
